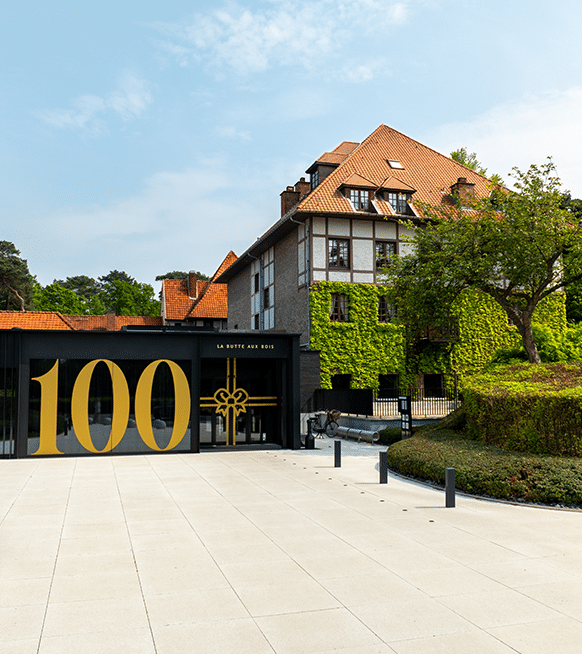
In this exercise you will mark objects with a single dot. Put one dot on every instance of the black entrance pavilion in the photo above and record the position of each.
(146, 391)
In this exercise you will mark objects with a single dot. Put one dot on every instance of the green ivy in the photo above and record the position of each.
(365, 348)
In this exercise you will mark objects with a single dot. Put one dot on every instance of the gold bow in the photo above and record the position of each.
(236, 401)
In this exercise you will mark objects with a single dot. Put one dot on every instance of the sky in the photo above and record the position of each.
(150, 137)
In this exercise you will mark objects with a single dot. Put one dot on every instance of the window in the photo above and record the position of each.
(314, 178)
(341, 382)
(256, 324)
(256, 282)
(395, 164)
(339, 308)
(399, 202)
(384, 251)
(389, 386)
(338, 251)
(386, 311)
(266, 298)
(433, 386)
(360, 199)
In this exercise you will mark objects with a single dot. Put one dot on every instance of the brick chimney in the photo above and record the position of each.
(464, 191)
(303, 187)
(292, 194)
(192, 285)
(289, 198)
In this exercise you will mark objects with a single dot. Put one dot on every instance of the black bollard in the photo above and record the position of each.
(449, 487)
(337, 450)
(383, 467)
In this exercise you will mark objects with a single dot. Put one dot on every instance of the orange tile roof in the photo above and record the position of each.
(431, 174)
(211, 301)
(56, 321)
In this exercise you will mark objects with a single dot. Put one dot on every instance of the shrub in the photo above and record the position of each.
(486, 470)
(527, 408)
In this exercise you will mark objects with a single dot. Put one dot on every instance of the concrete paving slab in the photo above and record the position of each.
(275, 552)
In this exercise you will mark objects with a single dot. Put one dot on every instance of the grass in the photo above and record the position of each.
(482, 469)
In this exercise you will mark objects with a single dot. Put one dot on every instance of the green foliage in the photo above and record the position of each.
(509, 246)
(527, 408)
(16, 282)
(115, 292)
(469, 160)
(129, 298)
(363, 347)
(389, 435)
(56, 298)
(81, 285)
(180, 274)
(486, 470)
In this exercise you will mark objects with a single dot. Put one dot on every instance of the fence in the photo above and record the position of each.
(422, 406)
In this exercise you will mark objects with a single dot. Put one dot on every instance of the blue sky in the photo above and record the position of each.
(149, 137)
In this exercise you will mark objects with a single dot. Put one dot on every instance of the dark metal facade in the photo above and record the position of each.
(78, 393)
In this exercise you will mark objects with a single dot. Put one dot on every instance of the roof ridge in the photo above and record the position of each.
(62, 317)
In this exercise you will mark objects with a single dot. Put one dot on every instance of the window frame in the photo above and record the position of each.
(356, 197)
(386, 311)
(335, 260)
(383, 260)
(399, 202)
(339, 310)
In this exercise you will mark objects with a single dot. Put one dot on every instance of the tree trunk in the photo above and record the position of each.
(529, 343)
(21, 300)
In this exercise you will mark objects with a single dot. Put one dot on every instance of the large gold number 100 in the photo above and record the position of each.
(80, 407)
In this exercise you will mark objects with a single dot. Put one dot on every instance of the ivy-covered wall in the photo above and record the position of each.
(365, 348)
(362, 347)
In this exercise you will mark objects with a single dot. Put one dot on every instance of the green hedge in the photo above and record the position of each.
(486, 470)
(527, 408)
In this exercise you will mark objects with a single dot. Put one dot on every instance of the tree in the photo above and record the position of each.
(129, 298)
(56, 298)
(180, 274)
(511, 246)
(81, 285)
(117, 292)
(470, 161)
(574, 291)
(16, 282)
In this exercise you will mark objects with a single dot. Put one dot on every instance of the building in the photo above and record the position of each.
(196, 302)
(53, 320)
(81, 392)
(317, 270)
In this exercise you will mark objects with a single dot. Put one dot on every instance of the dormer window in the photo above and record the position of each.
(360, 199)
(399, 202)
(314, 179)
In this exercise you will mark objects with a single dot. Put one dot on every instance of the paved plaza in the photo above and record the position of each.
(275, 551)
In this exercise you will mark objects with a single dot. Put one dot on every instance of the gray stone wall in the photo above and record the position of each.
(291, 303)
(239, 301)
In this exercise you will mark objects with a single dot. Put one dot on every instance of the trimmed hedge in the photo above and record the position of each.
(527, 408)
(482, 469)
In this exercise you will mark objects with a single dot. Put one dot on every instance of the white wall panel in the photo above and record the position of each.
(385, 229)
(363, 254)
(319, 252)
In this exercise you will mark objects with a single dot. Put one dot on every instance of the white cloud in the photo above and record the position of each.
(180, 221)
(524, 133)
(296, 33)
(128, 101)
